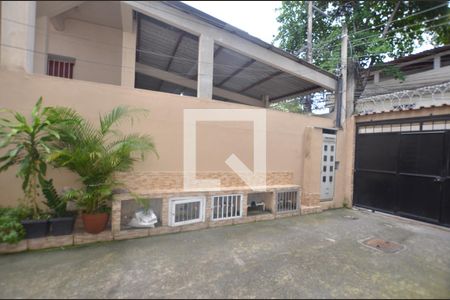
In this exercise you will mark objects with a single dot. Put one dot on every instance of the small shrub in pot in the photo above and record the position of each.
(96, 154)
(27, 143)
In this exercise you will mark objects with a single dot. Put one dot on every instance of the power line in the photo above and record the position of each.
(250, 68)
(374, 27)
(232, 67)
(392, 31)
(404, 27)
(375, 54)
(401, 19)
(282, 76)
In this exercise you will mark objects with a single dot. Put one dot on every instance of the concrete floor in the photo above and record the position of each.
(314, 256)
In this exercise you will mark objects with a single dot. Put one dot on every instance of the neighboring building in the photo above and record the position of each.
(425, 83)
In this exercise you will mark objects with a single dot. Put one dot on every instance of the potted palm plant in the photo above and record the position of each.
(28, 143)
(96, 154)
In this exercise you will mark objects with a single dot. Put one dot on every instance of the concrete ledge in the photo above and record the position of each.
(264, 217)
(13, 248)
(81, 238)
(86, 238)
(163, 230)
(50, 242)
(305, 210)
(192, 227)
(245, 220)
(131, 234)
(219, 223)
(287, 214)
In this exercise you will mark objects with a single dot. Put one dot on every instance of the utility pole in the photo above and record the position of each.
(343, 97)
(308, 104)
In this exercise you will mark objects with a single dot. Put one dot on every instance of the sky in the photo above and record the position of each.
(258, 19)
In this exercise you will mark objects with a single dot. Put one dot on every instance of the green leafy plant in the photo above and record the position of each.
(11, 230)
(28, 143)
(142, 201)
(55, 202)
(97, 153)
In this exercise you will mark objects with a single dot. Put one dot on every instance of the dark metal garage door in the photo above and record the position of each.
(403, 167)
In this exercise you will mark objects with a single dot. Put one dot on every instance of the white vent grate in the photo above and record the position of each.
(186, 210)
(287, 201)
(226, 207)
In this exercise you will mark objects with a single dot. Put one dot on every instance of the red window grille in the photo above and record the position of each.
(60, 68)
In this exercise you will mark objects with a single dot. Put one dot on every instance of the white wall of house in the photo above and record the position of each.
(17, 34)
(97, 50)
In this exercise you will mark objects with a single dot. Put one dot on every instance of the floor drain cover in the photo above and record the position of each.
(382, 245)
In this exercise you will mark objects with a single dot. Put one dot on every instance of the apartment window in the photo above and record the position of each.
(60, 66)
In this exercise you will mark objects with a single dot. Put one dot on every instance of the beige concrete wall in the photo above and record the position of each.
(216, 141)
(97, 49)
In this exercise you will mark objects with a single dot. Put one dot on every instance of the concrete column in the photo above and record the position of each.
(205, 67)
(266, 101)
(437, 62)
(376, 77)
(41, 45)
(129, 29)
(128, 58)
(17, 34)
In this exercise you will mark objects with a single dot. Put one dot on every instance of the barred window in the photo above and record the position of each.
(60, 66)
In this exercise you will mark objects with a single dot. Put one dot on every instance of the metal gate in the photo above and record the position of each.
(403, 167)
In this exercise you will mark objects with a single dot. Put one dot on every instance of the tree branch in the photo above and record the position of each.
(391, 18)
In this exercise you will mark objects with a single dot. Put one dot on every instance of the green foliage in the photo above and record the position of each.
(143, 202)
(27, 144)
(96, 154)
(92, 199)
(11, 230)
(54, 201)
(366, 22)
(294, 105)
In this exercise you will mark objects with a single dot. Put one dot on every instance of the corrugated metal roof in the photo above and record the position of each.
(230, 28)
(170, 49)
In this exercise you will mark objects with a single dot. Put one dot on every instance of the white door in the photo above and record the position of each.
(328, 166)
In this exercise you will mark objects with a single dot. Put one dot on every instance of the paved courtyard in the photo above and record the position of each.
(314, 256)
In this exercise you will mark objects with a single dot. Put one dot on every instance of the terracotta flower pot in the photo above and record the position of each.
(95, 223)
